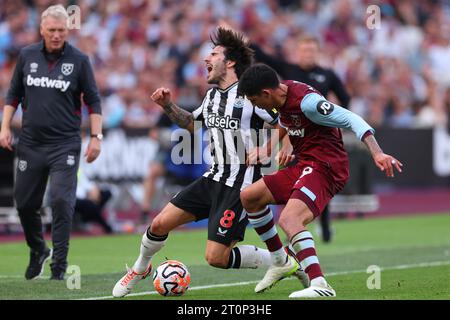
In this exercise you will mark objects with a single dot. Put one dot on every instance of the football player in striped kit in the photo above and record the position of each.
(230, 120)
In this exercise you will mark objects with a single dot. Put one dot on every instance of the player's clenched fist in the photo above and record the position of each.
(161, 96)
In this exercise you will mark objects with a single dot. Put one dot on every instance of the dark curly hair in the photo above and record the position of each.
(237, 49)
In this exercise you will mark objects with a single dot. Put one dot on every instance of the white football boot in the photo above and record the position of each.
(317, 289)
(302, 276)
(128, 281)
(299, 273)
(275, 274)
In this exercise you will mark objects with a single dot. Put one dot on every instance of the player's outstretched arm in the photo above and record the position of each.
(323, 112)
(385, 162)
(181, 117)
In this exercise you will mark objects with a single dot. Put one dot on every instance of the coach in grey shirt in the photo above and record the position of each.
(50, 81)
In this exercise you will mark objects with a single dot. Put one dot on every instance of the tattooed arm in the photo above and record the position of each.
(181, 117)
(383, 161)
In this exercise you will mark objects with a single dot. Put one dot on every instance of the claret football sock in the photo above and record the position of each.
(304, 249)
(263, 223)
(150, 245)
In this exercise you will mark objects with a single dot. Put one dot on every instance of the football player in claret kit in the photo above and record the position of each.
(312, 124)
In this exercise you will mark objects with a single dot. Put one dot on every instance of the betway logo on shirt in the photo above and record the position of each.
(46, 82)
(297, 132)
(227, 122)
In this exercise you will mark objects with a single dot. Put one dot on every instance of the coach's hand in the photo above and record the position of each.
(6, 139)
(162, 96)
(387, 163)
(93, 150)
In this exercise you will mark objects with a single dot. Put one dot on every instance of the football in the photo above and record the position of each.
(171, 278)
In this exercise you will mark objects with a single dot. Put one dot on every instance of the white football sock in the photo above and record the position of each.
(252, 257)
(148, 249)
(279, 257)
(319, 281)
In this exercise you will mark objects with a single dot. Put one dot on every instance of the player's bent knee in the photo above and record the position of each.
(249, 199)
(158, 227)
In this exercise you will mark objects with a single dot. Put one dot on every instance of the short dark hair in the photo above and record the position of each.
(237, 49)
(256, 78)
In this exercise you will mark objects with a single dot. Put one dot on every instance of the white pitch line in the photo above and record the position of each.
(223, 285)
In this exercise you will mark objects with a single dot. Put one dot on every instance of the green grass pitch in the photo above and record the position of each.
(413, 253)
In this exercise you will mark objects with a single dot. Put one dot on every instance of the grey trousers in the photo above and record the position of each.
(36, 164)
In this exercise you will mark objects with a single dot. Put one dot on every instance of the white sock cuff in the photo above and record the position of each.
(305, 234)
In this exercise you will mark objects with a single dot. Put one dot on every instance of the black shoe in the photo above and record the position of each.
(37, 261)
(58, 270)
(57, 275)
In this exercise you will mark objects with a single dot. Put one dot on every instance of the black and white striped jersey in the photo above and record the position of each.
(233, 126)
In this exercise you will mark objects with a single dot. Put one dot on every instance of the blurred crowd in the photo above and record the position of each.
(397, 72)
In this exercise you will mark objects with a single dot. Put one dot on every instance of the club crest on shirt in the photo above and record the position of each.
(67, 68)
(296, 120)
(239, 103)
(33, 67)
